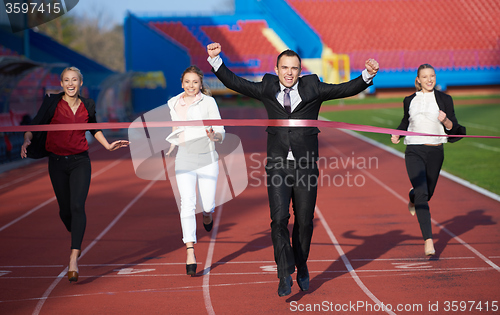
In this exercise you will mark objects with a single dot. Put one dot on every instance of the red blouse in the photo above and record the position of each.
(67, 142)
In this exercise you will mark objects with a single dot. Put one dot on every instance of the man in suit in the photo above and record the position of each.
(292, 152)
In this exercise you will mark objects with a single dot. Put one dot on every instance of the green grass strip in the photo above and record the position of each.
(473, 159)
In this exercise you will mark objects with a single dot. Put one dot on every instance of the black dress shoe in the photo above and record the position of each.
(208, 227)
(303, 278)
(191, 268)
(285, 286)
(411, 195)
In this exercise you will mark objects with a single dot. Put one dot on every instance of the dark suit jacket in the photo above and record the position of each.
(445, 103)
(44, 116)
(302, 140)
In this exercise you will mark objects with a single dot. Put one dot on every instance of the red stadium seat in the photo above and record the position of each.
(4, 51)
(243, 44)
(181, 34)
(445, 35)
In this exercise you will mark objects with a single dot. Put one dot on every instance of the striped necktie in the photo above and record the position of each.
(286, 101)
(288, 106)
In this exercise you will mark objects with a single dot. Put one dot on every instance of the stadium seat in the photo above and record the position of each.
(4, 51)
(408, 31)
(247, 50)
(183, 36)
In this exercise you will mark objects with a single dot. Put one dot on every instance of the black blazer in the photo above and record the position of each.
(302, 140)
(445, 103)
(36, 149)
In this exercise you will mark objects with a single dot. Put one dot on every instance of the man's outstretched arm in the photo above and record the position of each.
(227, 77)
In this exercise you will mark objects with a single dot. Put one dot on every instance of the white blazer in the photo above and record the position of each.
(204, 108)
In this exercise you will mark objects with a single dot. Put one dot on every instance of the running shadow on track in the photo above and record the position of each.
(459, 225)
(252, 246)
(155, 250)
(373, 246)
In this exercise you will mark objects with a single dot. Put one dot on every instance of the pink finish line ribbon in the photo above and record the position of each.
(228, 122)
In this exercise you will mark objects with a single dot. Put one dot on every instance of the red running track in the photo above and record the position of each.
(366, 248)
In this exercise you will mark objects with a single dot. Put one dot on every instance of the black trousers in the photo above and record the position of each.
(70, 177)
(287, 183)
(423, 164)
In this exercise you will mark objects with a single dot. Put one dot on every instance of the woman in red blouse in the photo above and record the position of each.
(69, 163)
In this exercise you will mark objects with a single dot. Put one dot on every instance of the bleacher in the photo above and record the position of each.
(11, 142)
(4, 51)
(401, 35)
(245, 44)
(26, 79)
(245, 49)
(459, 38)
(30, 90)
(183, 36)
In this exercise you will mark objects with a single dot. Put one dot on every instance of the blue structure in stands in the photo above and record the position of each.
(45, 50)
(289, 26)
(147, 48)
(171, 44)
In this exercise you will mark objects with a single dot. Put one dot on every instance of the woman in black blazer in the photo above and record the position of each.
(69, 163)
(426, 111)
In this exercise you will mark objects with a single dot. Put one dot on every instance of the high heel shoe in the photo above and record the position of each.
(208, 227)
(73, 276)
(191, 268)
(429, 249)
(411, 203)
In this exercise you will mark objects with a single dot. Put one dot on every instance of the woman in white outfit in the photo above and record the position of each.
(196, 161)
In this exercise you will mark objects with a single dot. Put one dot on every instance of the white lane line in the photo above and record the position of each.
(478, 126)
(409, 259)
(346, 262)
(421, 269)
(208, 264)
(183, 288)
(471, 186)
(472, 249)
(111, 165)
(383, 121)
(390, 112)
(23, 178)
(260, 262)
(224, 274)
(98, 238)
(405, 201)
(34, 266)
(46, 202)
(142, 291)
(21, 163)
(485, 147)
(43, 204)
(452, 177)
(246, 262)
(143, 264)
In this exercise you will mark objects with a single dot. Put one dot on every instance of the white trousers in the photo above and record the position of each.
(187, 180)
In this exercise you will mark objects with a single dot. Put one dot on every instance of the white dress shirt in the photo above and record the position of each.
(295, 98)
(424, 112)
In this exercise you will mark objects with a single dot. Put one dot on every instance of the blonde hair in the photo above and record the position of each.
(194, 69)
(78, 72)
(418, 86)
